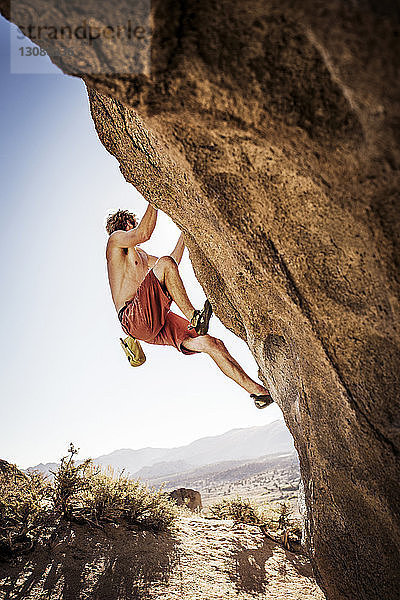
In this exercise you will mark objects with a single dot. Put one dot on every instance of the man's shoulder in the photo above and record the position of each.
(115, 238)
(110, 247)
(116, 250)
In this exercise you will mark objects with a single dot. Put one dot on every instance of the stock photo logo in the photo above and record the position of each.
(81, 39)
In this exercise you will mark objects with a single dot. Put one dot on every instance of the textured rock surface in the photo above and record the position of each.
(269, 134)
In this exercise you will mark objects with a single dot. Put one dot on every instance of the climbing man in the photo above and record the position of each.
(143, 288)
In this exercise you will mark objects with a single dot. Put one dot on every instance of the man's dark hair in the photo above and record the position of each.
(119, 220)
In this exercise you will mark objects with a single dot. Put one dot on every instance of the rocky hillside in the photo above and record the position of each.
(204, 560)
(266, 479)
(269, 132)
(237, 444)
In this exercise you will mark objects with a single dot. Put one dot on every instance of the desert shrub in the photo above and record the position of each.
(69, 482)
(31, 507)
(100, 496)
(185, 511)
(242, 510)
(105, 497)
(284, 512)
(287, 523)
(144, 507)
(239, 509)
(161, 512)
(25, 508)
(276, 523)
(86, 492)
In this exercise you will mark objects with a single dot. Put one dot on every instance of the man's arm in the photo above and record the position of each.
(178, 250)
(142, 233)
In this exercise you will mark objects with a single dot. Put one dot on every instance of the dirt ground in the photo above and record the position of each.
(203, 559)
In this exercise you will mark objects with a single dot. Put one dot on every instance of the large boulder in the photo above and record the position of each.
(187, 497)
(269, 133)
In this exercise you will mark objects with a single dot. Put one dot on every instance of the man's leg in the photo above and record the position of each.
(228, 365)
(167, 273)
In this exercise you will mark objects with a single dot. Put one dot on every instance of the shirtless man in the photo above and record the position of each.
(143, 288)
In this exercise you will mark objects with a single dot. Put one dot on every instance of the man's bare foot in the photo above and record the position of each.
(259, 389)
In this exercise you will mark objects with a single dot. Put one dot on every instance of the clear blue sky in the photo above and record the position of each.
(64, 377)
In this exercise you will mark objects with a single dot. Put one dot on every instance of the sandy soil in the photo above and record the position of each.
(204, 559)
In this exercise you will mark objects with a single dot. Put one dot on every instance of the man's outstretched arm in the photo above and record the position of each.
(141, 233)
(178, 250)
(148, 221)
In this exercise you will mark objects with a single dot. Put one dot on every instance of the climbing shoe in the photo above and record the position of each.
(201, 319)
(262, 400)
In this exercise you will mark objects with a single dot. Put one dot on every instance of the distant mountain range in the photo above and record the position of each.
(236, 445)
(272, 478)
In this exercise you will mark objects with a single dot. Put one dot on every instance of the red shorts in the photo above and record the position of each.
(148, 318)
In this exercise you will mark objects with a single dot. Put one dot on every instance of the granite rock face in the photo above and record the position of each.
(269, 133)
